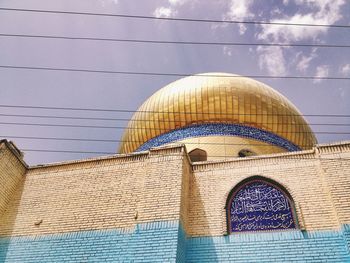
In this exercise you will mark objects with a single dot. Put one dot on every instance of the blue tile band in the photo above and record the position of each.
(272, 246)
(166, 241)
(219, 129)
(148, 242)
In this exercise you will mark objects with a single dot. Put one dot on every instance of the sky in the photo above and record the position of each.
(19, 87)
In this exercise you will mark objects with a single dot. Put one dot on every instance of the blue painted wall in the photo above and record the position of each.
(150, 242)
(181, 246)
(167, 242)
(346, 231)
(283, 246)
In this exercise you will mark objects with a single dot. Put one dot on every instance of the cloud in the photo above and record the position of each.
(106, 2)
(239, 10)
(170, 10)
(321, 71)
(227, 51)
(304, 61)
(177, 2)
(308, 12)
(345, 69)
(276, 11)
(164, 12)
(319, 12)
(272, 60)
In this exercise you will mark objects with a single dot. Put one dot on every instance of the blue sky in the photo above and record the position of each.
(113, 91)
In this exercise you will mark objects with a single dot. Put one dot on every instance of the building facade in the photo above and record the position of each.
(193, 201)
(156, 206)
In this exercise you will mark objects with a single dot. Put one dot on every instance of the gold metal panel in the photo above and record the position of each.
(176, 111)
(229, 103)
(193, 106)
(211, 105)
(247, 109)
(217, 105)
(241, 113)
(226, 98)
(199, 104)
(205, 101)
(164, 115)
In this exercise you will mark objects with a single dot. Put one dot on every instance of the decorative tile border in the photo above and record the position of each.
(219, 129)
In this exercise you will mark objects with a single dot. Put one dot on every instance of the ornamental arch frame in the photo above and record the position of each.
(295, 209)
(200, 157)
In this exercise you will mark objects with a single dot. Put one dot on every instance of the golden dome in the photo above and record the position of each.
(217, 104)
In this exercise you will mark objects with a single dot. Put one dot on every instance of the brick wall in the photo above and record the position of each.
(319, 188)
(118, 208)
(335, 165)
(114, 192)
(157, 207)
(12, 170)
(318, 181)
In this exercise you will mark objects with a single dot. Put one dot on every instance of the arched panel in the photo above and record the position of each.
(258, 205)
(198, 155)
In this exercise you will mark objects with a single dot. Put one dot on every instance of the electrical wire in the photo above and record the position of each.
(168, 74)
(144, 120)
(165, 112)
(156, 74)
(143, 41)
(139, 128)
(172, 19)
(133, 141)
(216, 156)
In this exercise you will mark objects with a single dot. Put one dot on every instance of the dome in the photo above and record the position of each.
(221, 113)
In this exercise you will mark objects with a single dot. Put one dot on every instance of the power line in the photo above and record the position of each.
(226, 158)
(64, 117)
(133, 141)
(168, 74)
(136, 128)
(143, 120)
(164, 112)
(63, 151)
(172, 19)
(222, 156)
(144, 41)
(63, 125)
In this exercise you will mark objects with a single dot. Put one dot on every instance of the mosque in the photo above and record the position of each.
(213, 167)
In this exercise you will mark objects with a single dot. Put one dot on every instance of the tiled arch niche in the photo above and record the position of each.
(259, 204)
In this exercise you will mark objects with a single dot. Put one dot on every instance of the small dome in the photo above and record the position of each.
(220, 107)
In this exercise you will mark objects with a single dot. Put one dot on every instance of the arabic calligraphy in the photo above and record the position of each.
(260, 206)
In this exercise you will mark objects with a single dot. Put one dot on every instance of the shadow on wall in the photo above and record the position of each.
(200, 245)
(8, 221)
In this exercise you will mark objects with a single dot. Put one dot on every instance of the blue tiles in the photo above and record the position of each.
(149, 242)
(219, 129)
(166, 242)
(283, 246)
